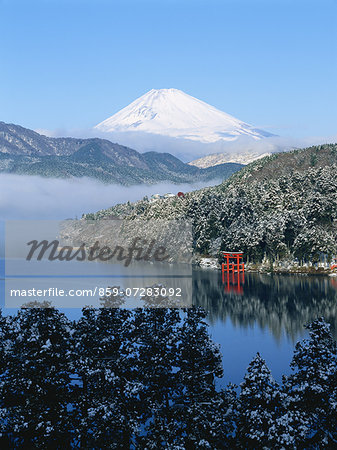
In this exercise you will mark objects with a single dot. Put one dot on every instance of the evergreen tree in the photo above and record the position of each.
(206, 423)
(199, 357)
(106, 397)
(194, 415)
(156, 337)
(259, 402)
(311, 389)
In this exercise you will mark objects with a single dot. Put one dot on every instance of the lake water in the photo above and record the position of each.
(264, 313)
(266, 317)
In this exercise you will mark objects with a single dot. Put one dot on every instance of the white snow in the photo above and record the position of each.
(211, 263)
(220, 158)
(173, 113)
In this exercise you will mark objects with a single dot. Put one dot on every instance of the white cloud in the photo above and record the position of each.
(33, 197)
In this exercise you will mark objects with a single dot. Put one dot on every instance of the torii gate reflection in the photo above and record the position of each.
(233, 272)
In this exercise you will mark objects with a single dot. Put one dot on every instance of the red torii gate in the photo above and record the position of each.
(233, 262)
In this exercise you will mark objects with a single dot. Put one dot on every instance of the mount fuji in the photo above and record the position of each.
(173, 113)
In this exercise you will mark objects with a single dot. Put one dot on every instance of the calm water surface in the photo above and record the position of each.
(266, 317)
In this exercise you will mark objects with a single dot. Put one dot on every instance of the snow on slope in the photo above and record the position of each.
(171, 112)
(221, 158)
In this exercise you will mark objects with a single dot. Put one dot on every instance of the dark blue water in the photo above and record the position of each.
(268, 316)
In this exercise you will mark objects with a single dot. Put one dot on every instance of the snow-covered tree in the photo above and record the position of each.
(259, 402)
(196, 415)
(155, 332)
(311, 389)
(106, 394)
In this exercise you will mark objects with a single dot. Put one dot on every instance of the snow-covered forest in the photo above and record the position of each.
(146, 378)
(282, 207)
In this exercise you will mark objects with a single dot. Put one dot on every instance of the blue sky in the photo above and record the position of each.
(70, 64)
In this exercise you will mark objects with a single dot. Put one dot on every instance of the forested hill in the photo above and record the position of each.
(282, 206)
(278, 164)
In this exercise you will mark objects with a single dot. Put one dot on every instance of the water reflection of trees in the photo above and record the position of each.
(281, 303)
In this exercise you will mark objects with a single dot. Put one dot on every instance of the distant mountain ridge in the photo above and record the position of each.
(17, 140)
(23, 151)
(215, 159)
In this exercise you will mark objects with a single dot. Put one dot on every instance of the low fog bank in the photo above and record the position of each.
(33, 197)
(188, 150)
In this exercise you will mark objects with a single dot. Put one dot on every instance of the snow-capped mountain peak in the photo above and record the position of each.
(173, 113)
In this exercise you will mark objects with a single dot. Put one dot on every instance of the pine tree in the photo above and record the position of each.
(156, 336)
(106, 396)
(194, 415)
(206, 423)
(311, 389)
(199, 357)
(259, 401)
